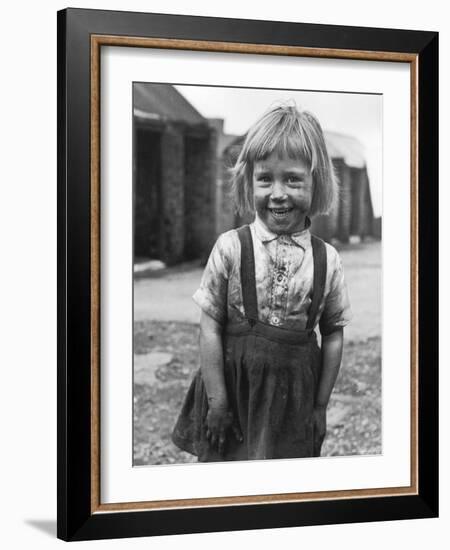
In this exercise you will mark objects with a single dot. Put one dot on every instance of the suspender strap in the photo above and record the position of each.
(320, 274)
(248, 275)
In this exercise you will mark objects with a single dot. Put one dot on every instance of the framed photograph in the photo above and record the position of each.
(247, 274)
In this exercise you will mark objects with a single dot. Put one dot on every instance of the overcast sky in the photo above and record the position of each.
(358, 115)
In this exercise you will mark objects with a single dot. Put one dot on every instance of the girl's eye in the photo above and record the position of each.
(294, 181)
(263, 179)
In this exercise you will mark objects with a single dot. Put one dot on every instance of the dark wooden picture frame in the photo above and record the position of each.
(81, 35)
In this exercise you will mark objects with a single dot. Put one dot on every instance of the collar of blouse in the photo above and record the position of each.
(300, 238)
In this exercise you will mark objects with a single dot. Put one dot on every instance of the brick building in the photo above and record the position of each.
(174, 173)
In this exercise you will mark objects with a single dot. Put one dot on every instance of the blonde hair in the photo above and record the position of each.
(291, 133)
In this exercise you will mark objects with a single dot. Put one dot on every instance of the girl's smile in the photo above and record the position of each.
(282, 190)
(280, 213)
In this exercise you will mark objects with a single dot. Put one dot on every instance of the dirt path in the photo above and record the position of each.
(168, 298)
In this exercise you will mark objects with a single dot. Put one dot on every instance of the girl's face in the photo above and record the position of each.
(282, 190)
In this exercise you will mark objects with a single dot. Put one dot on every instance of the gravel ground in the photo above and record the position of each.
(166, 357)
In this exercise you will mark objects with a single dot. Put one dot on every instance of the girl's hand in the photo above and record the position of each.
(220, 421)
(320, 428)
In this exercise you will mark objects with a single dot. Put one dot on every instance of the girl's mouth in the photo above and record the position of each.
(280, 213)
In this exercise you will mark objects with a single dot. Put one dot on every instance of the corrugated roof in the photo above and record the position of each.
(345, 147)
(163, 102)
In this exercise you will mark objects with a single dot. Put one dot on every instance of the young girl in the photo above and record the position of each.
(263, 386)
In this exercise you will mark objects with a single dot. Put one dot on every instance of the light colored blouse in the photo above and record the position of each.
(284, 281)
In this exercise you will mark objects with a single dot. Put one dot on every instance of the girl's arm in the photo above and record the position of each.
(211, 361)
(331, 361)
(219, 418)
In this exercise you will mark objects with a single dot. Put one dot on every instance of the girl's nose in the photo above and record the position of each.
(278, 191)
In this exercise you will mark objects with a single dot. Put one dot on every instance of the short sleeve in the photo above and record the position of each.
(337, 311)
(211, 296)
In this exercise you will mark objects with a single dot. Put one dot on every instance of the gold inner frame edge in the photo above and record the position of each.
(97, 41)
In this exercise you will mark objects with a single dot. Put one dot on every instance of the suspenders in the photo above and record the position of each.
(248, 276)
(320, 275)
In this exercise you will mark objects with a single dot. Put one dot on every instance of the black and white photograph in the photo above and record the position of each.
(257, 273)
(225, 255)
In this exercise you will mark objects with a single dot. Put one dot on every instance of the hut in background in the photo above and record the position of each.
(174, 175)
(353, 215)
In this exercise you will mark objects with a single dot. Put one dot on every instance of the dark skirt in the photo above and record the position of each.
(271, 376)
